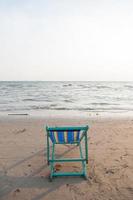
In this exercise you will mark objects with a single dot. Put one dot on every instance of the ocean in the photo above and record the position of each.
(89, 97)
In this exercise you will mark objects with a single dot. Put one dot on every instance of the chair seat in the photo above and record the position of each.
(62, 137)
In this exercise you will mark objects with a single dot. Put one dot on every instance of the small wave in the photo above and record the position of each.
(67, 85)
(14, 85)
(37, 100)
(4, 102)
(29, 99)
(75, 109)
(102, 104)
(68, 100)
(62, 108)
(103, 87)
(129, 86)
(6, 109)
(49, 108)
(40, 107)
(53, 105)
(85, 86)
(85, 109)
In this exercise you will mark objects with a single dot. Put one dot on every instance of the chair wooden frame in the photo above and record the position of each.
(81, 132)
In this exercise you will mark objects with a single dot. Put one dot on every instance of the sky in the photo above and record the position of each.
(59, 40)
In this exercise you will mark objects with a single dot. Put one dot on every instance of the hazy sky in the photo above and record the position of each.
(66, 40)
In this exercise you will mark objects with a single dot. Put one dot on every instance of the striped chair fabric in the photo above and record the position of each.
(63, 137)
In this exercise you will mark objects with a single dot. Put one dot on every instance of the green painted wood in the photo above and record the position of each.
(67, 128)
(68, 174)
(48, 153)
(80, 159)
(86, 148)
(52, 164)
(81, 155)
(67, 160)
(83, 135)
(83, 163)
(66, 143)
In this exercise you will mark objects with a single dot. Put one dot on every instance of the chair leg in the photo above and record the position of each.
(86, 148)
(52, 164)
(83, 163)
(85, 171)
(48, 150)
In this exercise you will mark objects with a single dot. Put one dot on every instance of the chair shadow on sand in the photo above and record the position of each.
(10, 184)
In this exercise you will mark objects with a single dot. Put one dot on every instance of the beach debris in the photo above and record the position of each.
(20, 131)
(109, 171)
(130, 189)
(18, 114)
(29, 165)
(125, 165)
(4, 170)
(57, 167)
(17, 190)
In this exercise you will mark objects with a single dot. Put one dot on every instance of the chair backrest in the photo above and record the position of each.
(66, 135)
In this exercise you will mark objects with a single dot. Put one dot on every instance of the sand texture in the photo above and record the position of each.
(24, 171)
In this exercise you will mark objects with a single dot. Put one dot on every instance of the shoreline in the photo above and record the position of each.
(47, 114)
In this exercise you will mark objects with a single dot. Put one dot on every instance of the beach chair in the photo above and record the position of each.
(71, 136)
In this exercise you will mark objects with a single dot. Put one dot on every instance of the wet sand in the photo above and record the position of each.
(24, 171)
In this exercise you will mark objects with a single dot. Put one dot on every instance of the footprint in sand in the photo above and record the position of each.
(20, 131)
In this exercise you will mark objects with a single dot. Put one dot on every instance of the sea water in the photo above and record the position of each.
(88, 97)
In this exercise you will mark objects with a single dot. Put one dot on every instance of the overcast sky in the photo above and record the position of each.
(66, 40)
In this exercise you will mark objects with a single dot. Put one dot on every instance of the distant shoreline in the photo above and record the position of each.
(50, 114)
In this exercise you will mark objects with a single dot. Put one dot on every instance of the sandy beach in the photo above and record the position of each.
(24, 171)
